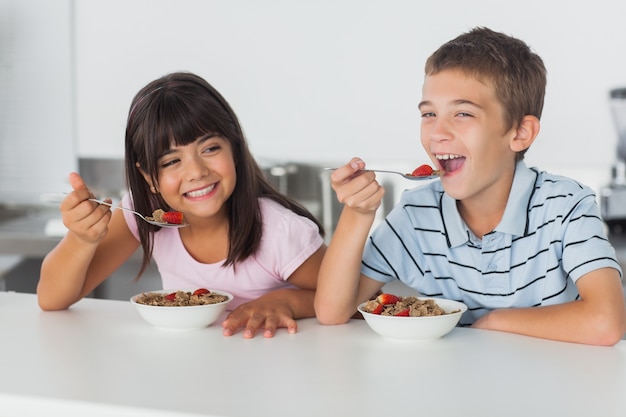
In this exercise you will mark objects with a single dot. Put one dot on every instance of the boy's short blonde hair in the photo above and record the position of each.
(516, 72)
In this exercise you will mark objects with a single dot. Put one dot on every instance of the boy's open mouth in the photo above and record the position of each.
(450, 162)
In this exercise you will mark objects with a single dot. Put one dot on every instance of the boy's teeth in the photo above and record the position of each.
(200, 193)
(443, 157)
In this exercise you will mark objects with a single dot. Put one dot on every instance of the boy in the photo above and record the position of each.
(524, 249)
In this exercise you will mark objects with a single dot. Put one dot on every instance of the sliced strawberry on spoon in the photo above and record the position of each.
(425, 170)
(422, 171)
(173, 217)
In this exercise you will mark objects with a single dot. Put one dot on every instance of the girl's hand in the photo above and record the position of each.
(87, 220)
(356, 188)
(267, 312)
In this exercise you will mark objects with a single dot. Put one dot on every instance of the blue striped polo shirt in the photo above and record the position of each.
(551, 234)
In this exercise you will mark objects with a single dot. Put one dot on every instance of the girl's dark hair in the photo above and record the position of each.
(176, 110)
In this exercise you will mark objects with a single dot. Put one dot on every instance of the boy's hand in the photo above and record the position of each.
(87, 220)
(356, 188)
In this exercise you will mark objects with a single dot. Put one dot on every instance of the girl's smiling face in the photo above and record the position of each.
(197, 179)
(463, 132)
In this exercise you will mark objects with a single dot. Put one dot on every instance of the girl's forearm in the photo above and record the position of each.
(63, 273)
(301, 302)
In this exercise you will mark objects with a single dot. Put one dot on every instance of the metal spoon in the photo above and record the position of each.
(57, 198)
(435, 174)
(141, 216)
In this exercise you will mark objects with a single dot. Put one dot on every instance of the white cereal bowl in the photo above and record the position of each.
(416, 328)
(181, 317)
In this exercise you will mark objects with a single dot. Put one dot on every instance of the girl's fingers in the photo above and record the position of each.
(76, 181)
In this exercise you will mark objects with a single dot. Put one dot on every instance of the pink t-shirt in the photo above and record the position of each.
(288, 240)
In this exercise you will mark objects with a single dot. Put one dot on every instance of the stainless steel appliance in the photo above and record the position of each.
(613, 196)
(309, 184)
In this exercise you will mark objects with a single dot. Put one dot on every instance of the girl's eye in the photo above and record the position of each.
(427, 114)
(463, 114)
(211, 149)
(168, 163)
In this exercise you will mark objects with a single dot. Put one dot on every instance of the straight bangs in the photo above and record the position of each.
(177, 120)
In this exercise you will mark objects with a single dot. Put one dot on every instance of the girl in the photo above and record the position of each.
(186, 152)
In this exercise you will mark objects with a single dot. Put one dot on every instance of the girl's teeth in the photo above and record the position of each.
(200, 193)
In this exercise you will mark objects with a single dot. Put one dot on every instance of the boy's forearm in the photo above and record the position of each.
(597, 318)
(568, 322)
(338, 282)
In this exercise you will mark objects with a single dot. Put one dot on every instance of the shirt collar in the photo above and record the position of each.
(515, 216)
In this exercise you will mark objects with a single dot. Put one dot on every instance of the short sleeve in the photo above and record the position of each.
(131, 220)
(288, 239)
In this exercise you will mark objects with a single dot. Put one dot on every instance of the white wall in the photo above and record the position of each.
(326, 80)
(37, 148)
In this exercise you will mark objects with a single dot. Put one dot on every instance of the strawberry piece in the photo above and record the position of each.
(403, 313)
(387, 299)
(422, 171)
(173, 217)
(201, 291)
(378, 309)
(171, 296)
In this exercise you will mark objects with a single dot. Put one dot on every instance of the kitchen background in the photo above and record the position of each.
(313, 82)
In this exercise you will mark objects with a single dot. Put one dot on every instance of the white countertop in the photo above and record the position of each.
(99, 358)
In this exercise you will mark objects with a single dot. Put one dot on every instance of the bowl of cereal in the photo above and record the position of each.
(181, 309)
(411, 318)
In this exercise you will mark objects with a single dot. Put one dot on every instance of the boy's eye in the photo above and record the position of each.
(428, 114)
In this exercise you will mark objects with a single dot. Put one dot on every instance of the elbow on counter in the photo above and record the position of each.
(606, 338)
(330, 320)
(48, 304)
(326, 315)
(611, 335)
(608, 329)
